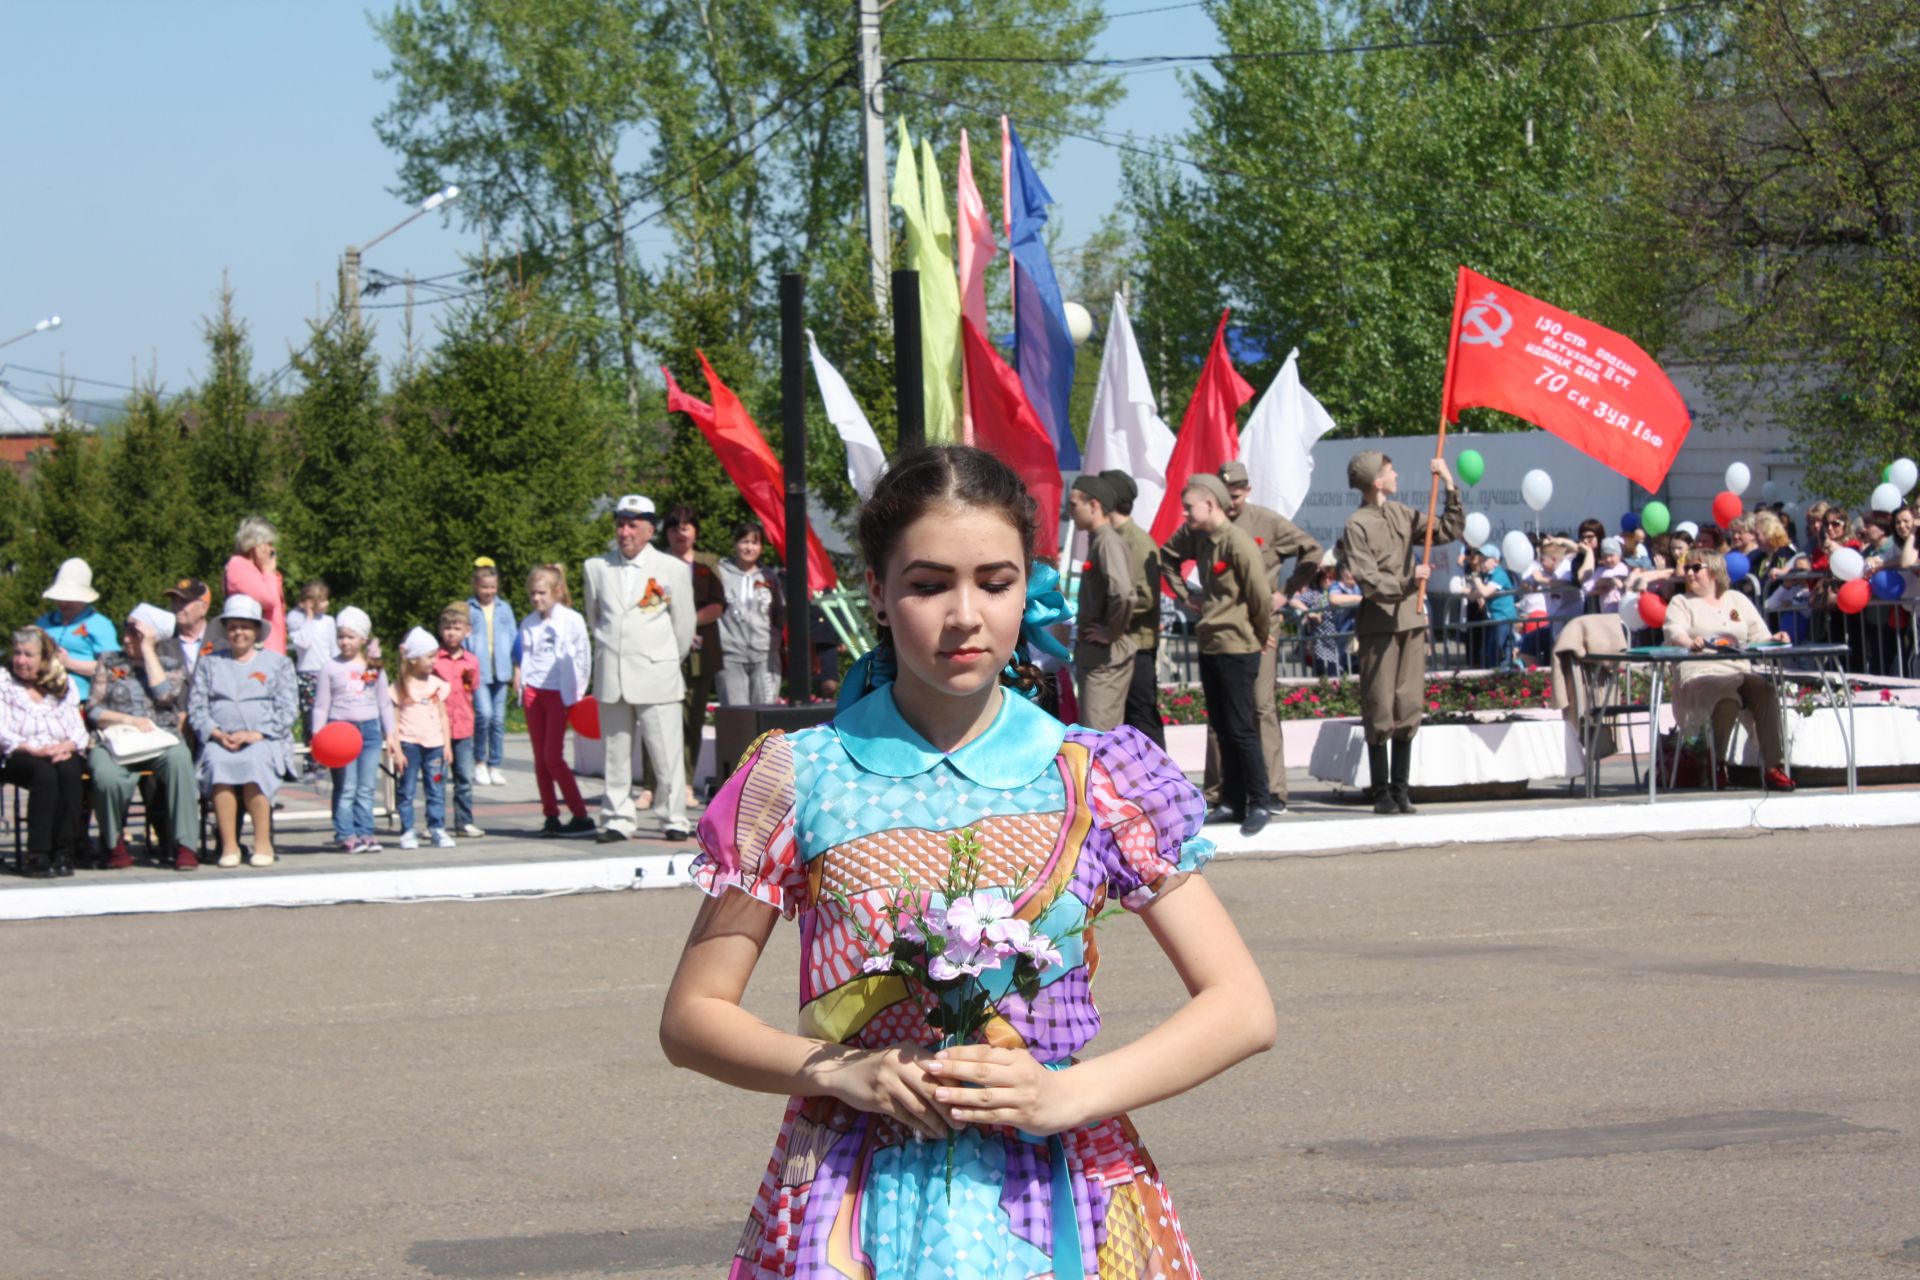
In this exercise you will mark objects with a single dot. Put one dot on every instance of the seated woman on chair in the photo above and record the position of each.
(41, 738)
(144, 687)
(1708, 614)
(242, 707)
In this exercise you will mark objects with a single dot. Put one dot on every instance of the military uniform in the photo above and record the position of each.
(1279, 539)
(1143, 627)
(1236, 617)
(1105, 667)
(1381, 544)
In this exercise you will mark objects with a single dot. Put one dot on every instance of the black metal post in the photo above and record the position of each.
(909, 389)
(793, 426)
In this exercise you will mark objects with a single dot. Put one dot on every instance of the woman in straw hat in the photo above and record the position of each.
(242, 707)
(80, 632)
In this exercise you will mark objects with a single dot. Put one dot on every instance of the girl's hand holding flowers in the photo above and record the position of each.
(891, 1082)
(1010, 1088)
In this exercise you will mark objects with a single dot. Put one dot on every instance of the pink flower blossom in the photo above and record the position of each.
(877, 964)
(969, 918)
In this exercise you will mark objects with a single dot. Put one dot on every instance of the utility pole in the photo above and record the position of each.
(350, 284)
(873, 150)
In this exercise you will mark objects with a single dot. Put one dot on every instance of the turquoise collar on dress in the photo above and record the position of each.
(1017, 747)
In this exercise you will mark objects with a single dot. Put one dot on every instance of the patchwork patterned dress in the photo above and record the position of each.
(819, 824)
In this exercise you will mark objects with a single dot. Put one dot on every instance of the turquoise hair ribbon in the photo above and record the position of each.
(1046, 606)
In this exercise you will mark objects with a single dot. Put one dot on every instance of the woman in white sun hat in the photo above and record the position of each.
(80, 632)
(242, 707)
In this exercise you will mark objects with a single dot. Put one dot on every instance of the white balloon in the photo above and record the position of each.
(1479, 529)
(1456, 585)
(1904, 475)
(1537, 488)
(1885, 498)
(1738, 478)
(1516, 551)
(1769, 492)
(1079, 322)
(1847, 564)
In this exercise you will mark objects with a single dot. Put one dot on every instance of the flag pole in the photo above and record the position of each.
(1440, 443)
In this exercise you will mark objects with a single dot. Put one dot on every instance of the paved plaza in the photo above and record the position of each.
(1676, 1057)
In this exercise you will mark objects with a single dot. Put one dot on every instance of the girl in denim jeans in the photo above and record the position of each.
(354, 689)
(421, 725)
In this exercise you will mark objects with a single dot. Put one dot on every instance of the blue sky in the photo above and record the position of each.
(154, 145)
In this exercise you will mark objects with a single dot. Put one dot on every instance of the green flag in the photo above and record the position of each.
(930, 252)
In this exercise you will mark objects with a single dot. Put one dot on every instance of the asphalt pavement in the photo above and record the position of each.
(1645, 1057)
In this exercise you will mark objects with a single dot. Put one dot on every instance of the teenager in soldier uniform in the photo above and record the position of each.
(1143, 558)
(1103, 649)
(1279, 540)
(1236, 626)
(1382, 546)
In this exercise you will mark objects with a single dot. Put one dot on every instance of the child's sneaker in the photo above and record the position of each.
(352, 844)
(472, 832)
(369, 845)
(409, 841)
(441, 840)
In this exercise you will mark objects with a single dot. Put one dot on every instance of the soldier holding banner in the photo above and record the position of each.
(1382, 546)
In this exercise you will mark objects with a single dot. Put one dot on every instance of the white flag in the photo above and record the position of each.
(1277, 445)
(865, 459)
(1125, 432)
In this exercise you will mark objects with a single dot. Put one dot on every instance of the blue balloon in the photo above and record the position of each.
(1738, 566)
(1888, 584)
(1629, 522)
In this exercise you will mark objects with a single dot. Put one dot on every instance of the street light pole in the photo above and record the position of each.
(350, 260)
(51, 322)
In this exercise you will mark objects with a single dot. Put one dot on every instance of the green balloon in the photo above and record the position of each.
(1472, 466)
(1655, 518)
(1886, 474)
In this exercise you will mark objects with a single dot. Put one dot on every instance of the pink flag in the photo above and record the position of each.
(976, 250)
(1006, 187)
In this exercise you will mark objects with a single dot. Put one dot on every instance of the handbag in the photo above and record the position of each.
(130, 745)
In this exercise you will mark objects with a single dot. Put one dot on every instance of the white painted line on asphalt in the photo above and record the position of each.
(1291, 835)
(401, 884)
(1576, 822)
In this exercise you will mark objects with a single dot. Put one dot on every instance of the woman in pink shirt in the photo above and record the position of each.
(254, 571)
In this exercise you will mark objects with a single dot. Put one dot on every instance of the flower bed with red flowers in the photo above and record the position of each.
(1476, 700)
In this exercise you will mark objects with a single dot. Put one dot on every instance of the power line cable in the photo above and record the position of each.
(1321, 51)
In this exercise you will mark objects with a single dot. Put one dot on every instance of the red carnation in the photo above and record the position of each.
(1219, 566)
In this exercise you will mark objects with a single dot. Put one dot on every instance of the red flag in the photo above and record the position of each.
(1592, 387)
(1208, 434)
(1005, 425)
(750, 464)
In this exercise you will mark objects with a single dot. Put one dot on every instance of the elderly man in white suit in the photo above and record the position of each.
(639, 611)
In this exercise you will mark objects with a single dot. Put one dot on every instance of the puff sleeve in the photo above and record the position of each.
(747, 834)
(1150, 814)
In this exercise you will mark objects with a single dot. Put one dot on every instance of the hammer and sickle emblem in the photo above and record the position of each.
(1484, 323)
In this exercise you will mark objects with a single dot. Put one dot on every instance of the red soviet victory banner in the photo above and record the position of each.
(1592, 387)
(750, 464)
(1208, 435)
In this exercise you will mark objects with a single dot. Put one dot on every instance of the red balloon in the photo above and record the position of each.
(1854, 595)
(584, 716)
(1653, 610)
(336, 745)
(1726, 509)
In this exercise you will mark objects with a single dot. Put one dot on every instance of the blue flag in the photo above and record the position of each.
(1043, 350)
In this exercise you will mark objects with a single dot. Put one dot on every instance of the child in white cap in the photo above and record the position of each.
(353, 688)
(421, 725)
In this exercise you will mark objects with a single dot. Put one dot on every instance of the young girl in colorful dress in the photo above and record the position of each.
(1037, 1169)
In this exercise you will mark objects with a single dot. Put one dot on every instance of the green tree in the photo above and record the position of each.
(1791, 188)
(72, 515)
(157, 525)
(236, 456)
(1332, 196)
(504, 448)
(342, 520)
